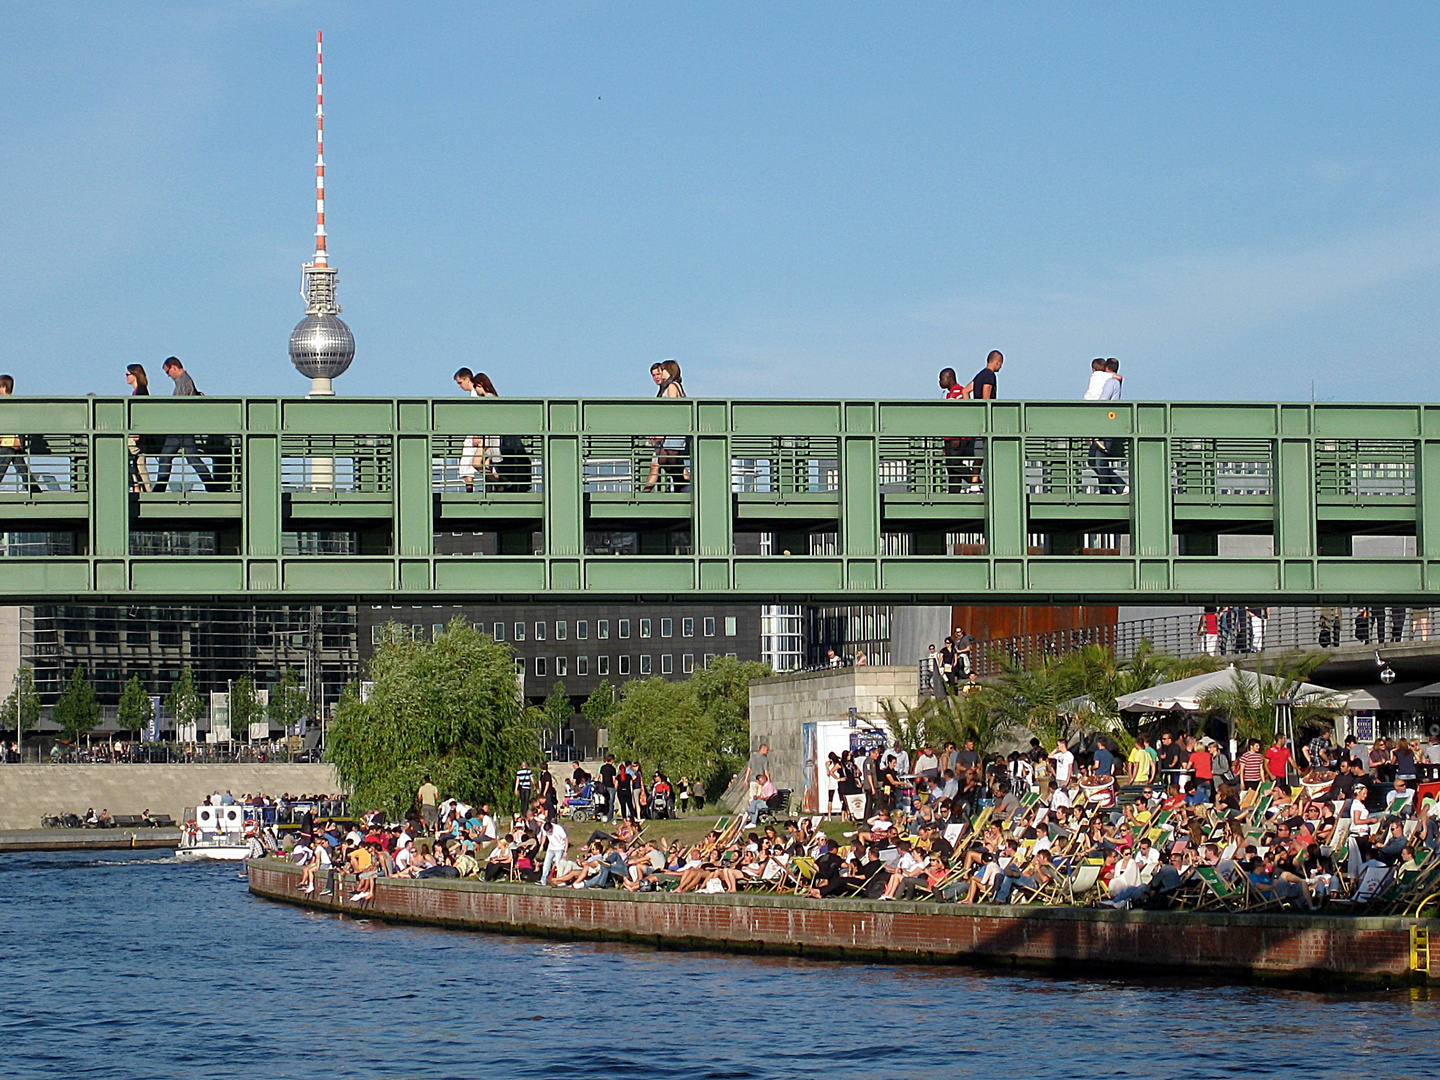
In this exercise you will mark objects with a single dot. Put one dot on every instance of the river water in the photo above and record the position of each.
(129, 964)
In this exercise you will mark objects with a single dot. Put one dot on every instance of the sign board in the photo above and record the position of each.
(862, 742)
(809, 779)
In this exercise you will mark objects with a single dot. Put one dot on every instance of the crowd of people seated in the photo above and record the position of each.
(1032, 827)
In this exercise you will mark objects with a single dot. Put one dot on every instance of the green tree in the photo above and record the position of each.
(723, 693)
(448, 709)
(660, 724)
(245, 707)
(289, 702)
(599, 705)
(184, 702)
(22, 706)
(135, 707)
(559, 709)
(77, 712)
(1249, 701)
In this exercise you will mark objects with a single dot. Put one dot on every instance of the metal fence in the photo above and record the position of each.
(1242, 631)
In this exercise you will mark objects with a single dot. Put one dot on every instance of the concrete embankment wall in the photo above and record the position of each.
(1298, 949)
(29, 791)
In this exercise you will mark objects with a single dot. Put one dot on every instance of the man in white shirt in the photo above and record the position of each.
(1432, 752)
(1062, 764)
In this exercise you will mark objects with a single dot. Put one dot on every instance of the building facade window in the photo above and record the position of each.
(687, 627)
(562, 630)
(729, 625)
(667, 664)
(539, 631)
(562, 667)
(709, 659)
(602, 665)
(582, 665)
(624, 665)
(644, 627)
(687, 663)
(602, 628)
(582, 629)
(645, 664)
(709, 625)
(667, 627)
(499, 631)
(622, 627)
(540, 667)
(519, 631)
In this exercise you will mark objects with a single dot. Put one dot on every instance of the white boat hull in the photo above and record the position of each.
(217, 852)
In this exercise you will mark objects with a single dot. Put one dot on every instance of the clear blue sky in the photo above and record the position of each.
(792, 199)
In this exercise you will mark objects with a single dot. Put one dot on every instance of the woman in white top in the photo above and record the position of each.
(480, 455)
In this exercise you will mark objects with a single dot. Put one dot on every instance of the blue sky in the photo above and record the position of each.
(793, 200)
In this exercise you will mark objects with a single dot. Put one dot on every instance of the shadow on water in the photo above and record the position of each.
(135, 965)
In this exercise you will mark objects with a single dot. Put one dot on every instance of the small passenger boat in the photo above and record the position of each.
(219, 833)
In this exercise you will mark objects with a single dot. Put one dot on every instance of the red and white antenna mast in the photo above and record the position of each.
(319, 150)
(321, 347)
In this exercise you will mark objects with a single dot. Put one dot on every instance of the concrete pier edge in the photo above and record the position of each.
(1306, 951)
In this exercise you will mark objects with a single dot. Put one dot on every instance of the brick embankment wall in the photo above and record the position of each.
(29, 791)
(1305, 950)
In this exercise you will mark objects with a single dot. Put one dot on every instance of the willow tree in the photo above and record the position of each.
(448, 709)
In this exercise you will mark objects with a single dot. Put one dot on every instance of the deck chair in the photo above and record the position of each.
(801, 873)
(1082, 882)
(1220, 894)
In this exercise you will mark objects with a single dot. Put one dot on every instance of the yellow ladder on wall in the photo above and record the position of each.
(1420, 949)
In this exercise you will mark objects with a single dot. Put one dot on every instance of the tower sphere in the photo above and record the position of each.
(321, 346)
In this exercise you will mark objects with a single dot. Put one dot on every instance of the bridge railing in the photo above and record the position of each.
(860, 498)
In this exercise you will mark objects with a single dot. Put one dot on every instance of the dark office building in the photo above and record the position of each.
(582, 645)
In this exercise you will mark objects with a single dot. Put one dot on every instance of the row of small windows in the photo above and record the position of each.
(517, 631)
(559, 666)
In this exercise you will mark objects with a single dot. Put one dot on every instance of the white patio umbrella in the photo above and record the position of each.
(1184, 695)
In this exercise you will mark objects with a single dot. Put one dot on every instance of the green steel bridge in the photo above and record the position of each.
(366, 500)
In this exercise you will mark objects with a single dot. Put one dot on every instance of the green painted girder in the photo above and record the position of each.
(858, 470)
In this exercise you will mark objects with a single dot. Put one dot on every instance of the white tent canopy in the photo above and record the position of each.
(1184, 695)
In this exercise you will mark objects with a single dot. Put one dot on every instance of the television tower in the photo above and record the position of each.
(321, 346)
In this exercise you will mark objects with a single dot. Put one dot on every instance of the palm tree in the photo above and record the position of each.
(1036, 698)
(905, 721)
(1250, 705)
(971, 716)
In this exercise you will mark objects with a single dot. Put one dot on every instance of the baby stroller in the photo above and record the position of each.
(777, 806)
(661, 801)
(585, 805)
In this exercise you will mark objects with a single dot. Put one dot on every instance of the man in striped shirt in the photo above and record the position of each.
(1251, 766)
(524, 785)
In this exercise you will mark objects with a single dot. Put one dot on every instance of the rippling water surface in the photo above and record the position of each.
(127, 964)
